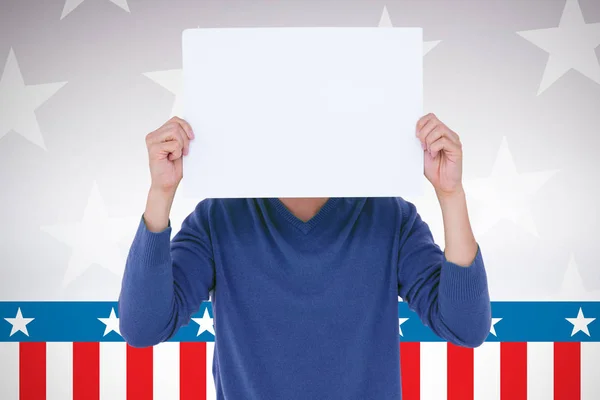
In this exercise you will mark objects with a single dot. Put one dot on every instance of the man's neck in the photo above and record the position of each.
(304, 208)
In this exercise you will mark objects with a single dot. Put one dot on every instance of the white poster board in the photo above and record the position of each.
(303, 112)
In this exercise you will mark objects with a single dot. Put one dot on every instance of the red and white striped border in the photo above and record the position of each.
(431, 371)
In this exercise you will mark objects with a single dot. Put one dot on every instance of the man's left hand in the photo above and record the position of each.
(443, 155)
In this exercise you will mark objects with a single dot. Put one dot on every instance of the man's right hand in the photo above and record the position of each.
(166, 147)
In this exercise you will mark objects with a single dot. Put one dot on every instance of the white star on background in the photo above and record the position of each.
(19, 324)
(70, 5)
(570, 46)
(172, 80)
(572, 288)
(493, 327)
(580, 323)
(18, 102)
(112, 323)
(95, 239)
(386, 22)
(205, 323)
(400, 322)
(505, 193)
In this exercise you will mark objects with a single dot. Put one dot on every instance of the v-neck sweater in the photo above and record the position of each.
(301, 310)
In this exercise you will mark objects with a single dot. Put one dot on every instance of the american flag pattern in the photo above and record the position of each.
(73, 350)
(83, 81)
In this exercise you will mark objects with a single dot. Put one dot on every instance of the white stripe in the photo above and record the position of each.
(9, 370)
(434, 370)
(590, 364)
(210, 381)
(540, 370)
(113, 371)
(166, 371)
(59, 370)
(486, 365)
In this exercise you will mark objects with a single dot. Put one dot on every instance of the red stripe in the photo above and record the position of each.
(513, 371)
(567, 371)
(410, 370)
(86, 371)
(192, 367)
(32, 371)
(460, 373)
(139, 373)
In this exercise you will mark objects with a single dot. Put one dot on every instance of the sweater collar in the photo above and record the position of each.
(304, 227)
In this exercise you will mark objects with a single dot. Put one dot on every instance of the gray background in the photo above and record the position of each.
(73, 164)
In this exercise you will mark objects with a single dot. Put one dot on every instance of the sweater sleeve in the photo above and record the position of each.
(165, 282)
(450, 299)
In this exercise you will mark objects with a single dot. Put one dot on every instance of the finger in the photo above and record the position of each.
(424, 120)
(176, 155)
(172, 149)
(174, 131)
(440, 131)
(186, 127)
(452, 135)
(162, 134)
(185, 139)
(433, 135)
(426, 131)
(444, 144)
(178, 164)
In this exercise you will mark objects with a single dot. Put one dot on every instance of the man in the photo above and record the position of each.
(305, 291)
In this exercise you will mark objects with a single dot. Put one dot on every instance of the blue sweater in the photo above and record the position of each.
(302, 310)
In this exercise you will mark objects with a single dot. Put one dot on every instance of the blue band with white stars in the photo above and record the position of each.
(79, 321)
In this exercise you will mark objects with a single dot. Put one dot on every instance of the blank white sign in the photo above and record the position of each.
(303, 112)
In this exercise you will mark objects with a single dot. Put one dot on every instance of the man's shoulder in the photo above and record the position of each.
(213, 214)
(214, 207)
(396, 210)
(397, 203)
